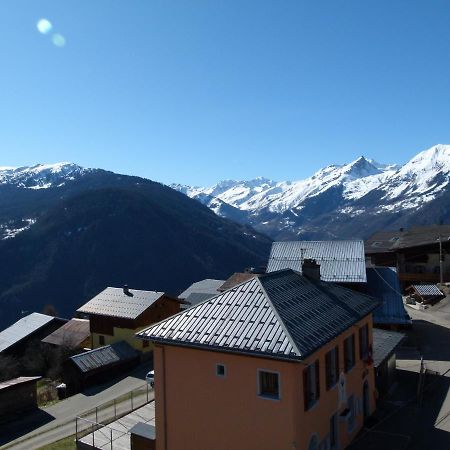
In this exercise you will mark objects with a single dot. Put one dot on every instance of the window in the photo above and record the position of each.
(332, 367)
(101, 340)
(269, 384)
(220, 370)
(349, 353)
(311, 385)
(364, 342)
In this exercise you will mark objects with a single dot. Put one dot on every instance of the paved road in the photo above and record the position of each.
(56, 422)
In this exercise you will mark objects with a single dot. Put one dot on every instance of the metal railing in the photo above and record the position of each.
(101, 416)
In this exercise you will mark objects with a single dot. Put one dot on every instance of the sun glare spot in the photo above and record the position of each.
(44, 26)
(59, 40)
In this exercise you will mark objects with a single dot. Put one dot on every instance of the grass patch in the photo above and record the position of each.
(46, 392)
(64, 444)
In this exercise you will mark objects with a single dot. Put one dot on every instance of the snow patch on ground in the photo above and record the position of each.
(9, 233)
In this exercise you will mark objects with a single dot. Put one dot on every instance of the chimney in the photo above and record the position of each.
(126, 291)
(311, 269)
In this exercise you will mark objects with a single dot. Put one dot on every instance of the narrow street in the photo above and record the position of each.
(56, 422)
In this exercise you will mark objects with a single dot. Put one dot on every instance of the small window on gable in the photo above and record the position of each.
(269, 384)
(220, 370)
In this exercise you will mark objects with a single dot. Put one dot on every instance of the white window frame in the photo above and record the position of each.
(258, 384)
(224, 370)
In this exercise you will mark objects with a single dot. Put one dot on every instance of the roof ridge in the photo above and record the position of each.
(277, 315)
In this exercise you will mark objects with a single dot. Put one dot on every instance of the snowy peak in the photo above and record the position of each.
(262, 193)
(41, 176)
(361, 168)
(435, 158)
(394, 187)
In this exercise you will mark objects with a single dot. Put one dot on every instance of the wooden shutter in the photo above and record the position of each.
(305, 389)
(361, 355)
(328, 369)
(346, 355)
(353, 350)
(337, 363)
(317, 373)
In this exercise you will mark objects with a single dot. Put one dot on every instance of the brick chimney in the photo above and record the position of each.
(311, 269)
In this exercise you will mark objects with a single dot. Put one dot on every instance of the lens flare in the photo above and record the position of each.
(59, 40)
(44, 26)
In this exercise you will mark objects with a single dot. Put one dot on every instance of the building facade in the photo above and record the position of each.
(271, 370)
(418, 254)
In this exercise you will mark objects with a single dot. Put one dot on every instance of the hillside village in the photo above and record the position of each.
(333, 344)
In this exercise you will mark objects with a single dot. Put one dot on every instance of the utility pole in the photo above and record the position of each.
(441, 261)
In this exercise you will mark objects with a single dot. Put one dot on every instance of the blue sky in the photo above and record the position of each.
(198, 91)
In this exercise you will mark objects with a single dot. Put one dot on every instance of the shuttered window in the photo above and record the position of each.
(364, 342)
(332, 367)
(311, 385)
(269, 384)
(349, 353)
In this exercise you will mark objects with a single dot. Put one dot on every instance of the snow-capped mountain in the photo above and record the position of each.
(41, 176)
(322, 204)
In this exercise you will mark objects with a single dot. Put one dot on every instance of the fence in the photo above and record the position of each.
(101, 416)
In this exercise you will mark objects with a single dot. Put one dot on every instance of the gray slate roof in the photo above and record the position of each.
(340, 261)
(427, 290)
(207, 286)
(384, 344)
(104, 356)
(383, 284)
(23, 328)
(114, 302)
(282, 315)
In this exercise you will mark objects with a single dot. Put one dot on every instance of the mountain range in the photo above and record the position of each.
(67, 232)
(338, 201)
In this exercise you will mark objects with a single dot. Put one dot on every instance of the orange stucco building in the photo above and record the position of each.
(279, 362)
